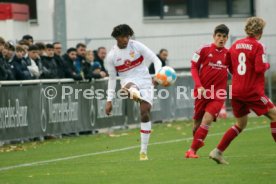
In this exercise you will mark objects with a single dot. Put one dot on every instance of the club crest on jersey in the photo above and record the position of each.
(132, 54)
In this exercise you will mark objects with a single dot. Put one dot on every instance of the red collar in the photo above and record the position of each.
(216, 48)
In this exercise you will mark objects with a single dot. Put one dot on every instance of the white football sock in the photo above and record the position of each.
(145, 135)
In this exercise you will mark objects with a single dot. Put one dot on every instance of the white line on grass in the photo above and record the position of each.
(110, 151)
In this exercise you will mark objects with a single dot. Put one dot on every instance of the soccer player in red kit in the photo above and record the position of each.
(248, 65)
(209, 72)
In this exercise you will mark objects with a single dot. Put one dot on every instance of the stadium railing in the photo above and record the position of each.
(37, 108)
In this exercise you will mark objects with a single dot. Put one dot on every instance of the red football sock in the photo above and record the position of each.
(194, 130)
(228, 137)
(199, 137)
(273, 130)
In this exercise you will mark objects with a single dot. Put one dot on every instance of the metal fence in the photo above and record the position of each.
(181, 47)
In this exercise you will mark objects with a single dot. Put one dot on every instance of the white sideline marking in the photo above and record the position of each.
(110, 151)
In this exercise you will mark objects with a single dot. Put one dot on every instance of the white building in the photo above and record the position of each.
(157, 23)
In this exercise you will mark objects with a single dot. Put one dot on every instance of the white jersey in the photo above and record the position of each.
(130, 64)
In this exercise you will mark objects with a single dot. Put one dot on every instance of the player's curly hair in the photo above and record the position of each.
(254, 26)
(122, 30)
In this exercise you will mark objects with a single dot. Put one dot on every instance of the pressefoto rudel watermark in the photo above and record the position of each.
(180, 92)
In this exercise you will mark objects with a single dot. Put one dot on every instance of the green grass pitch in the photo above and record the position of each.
(113, 158)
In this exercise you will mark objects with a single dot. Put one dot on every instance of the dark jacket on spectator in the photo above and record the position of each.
(39, 64)
(88, 72)
(60, 66)
(50, 69)
(6, 72)
(78, 64)
(151, 67)
(20, 70)
(97, 59)
(70, 68)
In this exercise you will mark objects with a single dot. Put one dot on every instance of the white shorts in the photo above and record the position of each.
(145, 87)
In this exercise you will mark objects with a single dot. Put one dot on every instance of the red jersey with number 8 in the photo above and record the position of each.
(248, 65)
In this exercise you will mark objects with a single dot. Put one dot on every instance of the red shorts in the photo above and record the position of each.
(242, 107)
(211, 106)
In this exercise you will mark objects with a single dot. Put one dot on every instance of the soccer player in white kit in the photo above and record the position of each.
(127, 58)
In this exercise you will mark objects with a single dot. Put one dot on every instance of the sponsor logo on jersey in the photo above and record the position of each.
(119, 59)
(210, 55)
(218, 65)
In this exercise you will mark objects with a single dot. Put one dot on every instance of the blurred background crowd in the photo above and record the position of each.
(28, 60)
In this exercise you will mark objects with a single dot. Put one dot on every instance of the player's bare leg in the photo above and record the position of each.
(133, 91)
(272, 116)
(217, 153)
(145, 128)
(200, 135)
(242, 122)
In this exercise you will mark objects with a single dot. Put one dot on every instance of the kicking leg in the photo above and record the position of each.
(145, 128)
(133, 91)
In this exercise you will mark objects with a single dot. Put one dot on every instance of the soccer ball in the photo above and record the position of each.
(166, 76)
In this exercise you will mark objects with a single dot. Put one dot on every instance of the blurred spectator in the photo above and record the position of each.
(57, 48)
(97, 68)
(29, 39)
(69, 59)
(100, 57)
(81, 51)
(41, 49)
(2, 44)
(163, 56)
(88, 70)
(89, 56)
(7, 52)
(50, 69)
(25, 45)
(3, 74)
(60, 63)
(19, 66)
(32, 59)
